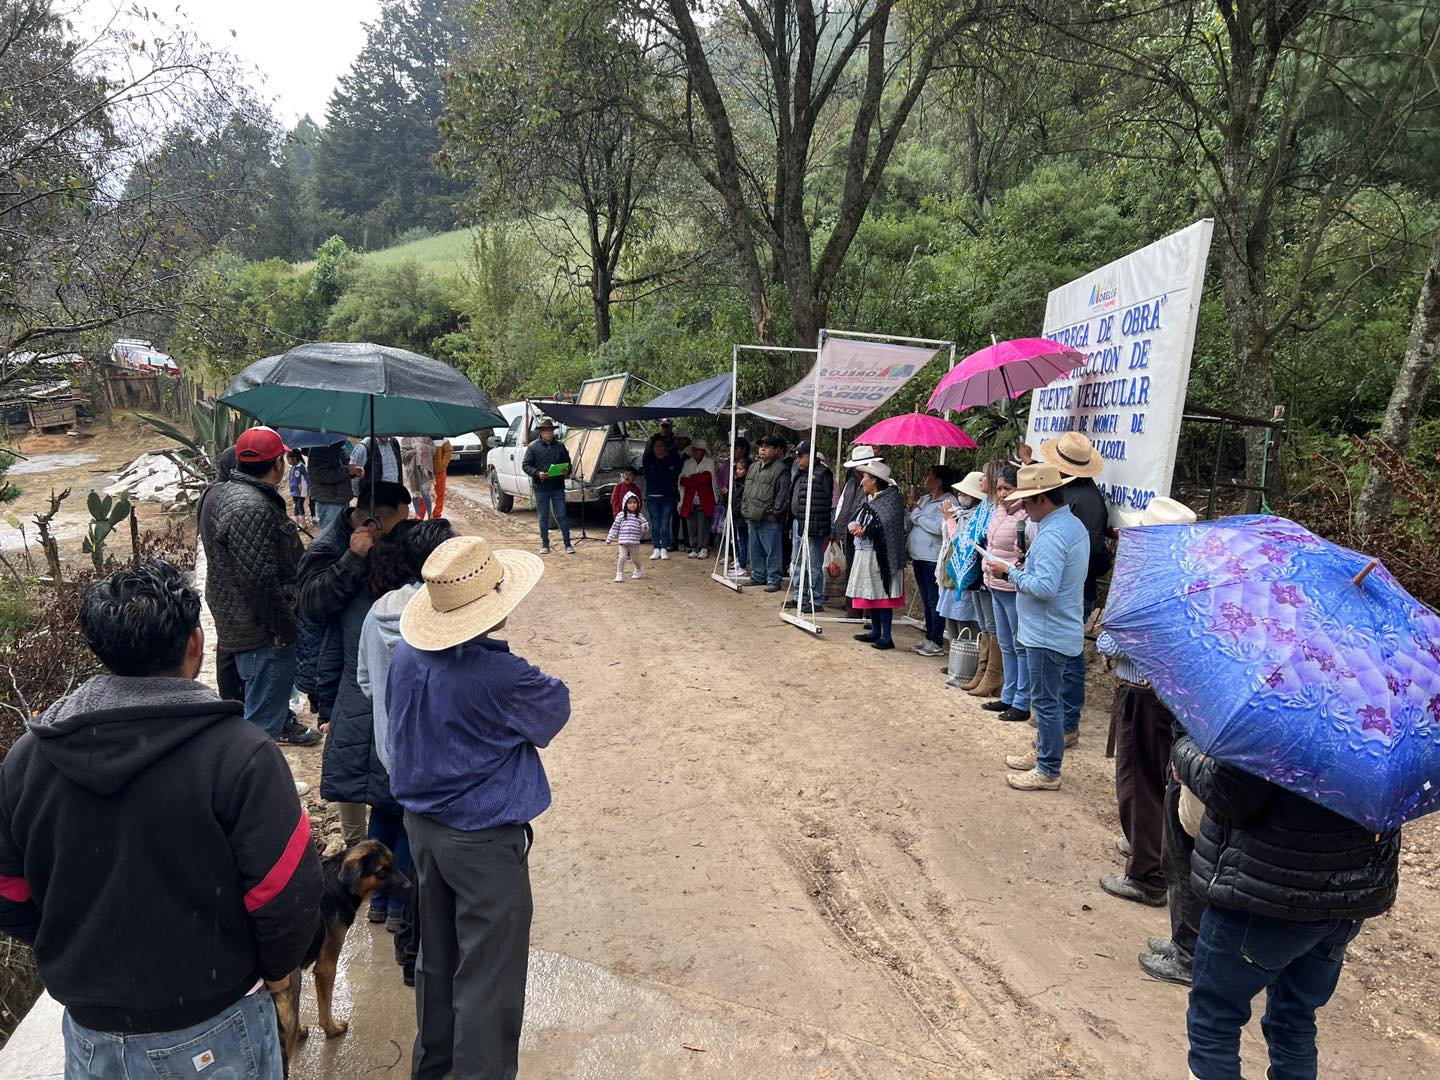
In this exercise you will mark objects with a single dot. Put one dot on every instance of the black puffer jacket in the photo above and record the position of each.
(319, 659)
(253, 549)
(1265, 850)
(330, 475)
(822, 493)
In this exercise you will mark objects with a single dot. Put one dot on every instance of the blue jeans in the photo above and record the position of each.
(389, 829)
(929, 590)
(1046, 669)
(985, 606)
(1239, 954)
(816, 592)
(766, 552)
(1073, 694)
(268, 674)
(1016, 690)
(742, 543)
(241, 1043)
(546, 503)
(660, 509)
(326, 513)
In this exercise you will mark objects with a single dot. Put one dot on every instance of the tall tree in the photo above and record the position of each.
(538, 120)
(374, 165)
(833, 87)
(1280, 113)
(1411, 385)
(78, 256)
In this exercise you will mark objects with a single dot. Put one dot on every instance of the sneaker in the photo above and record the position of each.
(692, 554)
(637, 575)
(1171, 969)
(1013, 715)
(774, 588)
(619, 577)
(703, 553)
(654, 554)
(545, 550)
(297, 734)
(735, 572)
(1126, 888)
(927, 648)
(301, 788)
(1034, 780)
(1020, 762)
(664, 553)
(1122, 848)
(995, 706)
(1071, 738)
(569, 549)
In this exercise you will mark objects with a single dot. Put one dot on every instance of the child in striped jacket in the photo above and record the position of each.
(629, 530)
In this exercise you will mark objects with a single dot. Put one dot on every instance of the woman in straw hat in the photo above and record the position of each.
(877, 573)
(955, 605)
(467, 721)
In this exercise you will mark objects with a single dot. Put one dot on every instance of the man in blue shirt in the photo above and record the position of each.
(467, 721)
(1050, 601)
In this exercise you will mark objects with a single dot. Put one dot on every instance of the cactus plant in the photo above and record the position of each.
(105, 513)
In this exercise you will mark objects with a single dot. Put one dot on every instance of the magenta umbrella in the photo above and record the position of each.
(916, 429)
(1004, 370)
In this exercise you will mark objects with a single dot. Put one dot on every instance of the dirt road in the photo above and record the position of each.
(776, 856)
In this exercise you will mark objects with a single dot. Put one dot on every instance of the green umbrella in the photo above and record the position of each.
(355, 388)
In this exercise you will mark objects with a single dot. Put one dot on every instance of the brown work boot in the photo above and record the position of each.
(1034, 780)
(994, 679)
(981, 664)
(1071, 738)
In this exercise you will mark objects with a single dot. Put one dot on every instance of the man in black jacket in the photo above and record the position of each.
(1289, 885)
(335, 570)
(253, 550)
(543, 454)
(330, 482)
(153, 852)
(815, 501)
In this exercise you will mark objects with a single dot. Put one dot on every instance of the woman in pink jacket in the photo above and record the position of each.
(1007, 526)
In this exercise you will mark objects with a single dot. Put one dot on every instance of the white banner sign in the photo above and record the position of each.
(1135, 321)
(856, 378)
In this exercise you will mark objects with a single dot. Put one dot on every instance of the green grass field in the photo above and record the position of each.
(443, 253)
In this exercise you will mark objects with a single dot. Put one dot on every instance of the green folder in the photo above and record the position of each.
(557, 470)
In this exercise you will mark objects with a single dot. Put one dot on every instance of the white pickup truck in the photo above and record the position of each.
(508, 481)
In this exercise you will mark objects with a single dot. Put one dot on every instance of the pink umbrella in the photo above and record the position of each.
(1005, 370)
(916, 429)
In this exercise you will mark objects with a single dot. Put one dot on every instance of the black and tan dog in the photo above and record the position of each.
(351, 876)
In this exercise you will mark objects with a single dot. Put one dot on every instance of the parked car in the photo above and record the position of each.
(507, 454)
(468, 451)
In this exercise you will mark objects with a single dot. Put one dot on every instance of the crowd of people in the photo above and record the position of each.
(432, 730)
(432, 734)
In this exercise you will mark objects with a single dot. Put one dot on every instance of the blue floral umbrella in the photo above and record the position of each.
(1289, 657)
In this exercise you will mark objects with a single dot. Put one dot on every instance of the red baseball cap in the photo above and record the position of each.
(259, 444)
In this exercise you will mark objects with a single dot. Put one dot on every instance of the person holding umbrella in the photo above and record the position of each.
(547, 463)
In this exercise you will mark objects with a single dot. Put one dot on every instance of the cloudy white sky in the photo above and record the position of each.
(297, 49)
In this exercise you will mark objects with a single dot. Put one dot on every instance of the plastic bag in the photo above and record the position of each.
(836, 569)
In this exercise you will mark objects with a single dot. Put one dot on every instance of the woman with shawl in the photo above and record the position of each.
(877, 574)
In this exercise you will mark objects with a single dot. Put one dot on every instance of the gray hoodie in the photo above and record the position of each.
(378, 638)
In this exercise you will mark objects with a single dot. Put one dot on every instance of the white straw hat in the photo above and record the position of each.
(971, 486)
(860, 454)
(469, 588)
(1159, 511)
(699, 444)
(876, 468)
(1036, 480)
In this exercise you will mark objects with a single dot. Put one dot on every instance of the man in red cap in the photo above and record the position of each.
(253, 550)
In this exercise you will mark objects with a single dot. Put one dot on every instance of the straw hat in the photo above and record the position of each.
(971, 486)
(1036, 480)
(875, 468)
(859, 454)
(1073, 454)
(469, 588)
(1159, 511)
(699, 444)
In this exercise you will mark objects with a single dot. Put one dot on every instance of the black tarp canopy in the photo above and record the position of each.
(705, 398)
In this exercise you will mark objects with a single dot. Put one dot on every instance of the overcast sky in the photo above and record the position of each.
(298, 47)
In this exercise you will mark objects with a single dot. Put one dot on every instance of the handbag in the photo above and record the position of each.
(964, 654)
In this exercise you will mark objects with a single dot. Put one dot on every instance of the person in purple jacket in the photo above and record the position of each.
(468, 719)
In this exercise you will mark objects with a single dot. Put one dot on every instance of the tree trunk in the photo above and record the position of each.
(1411, 385)
(602, 286)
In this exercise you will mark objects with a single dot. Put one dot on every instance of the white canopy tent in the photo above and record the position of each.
(854, 375)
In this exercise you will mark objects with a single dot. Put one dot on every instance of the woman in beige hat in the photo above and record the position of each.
(877, 573)
(467, 721)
